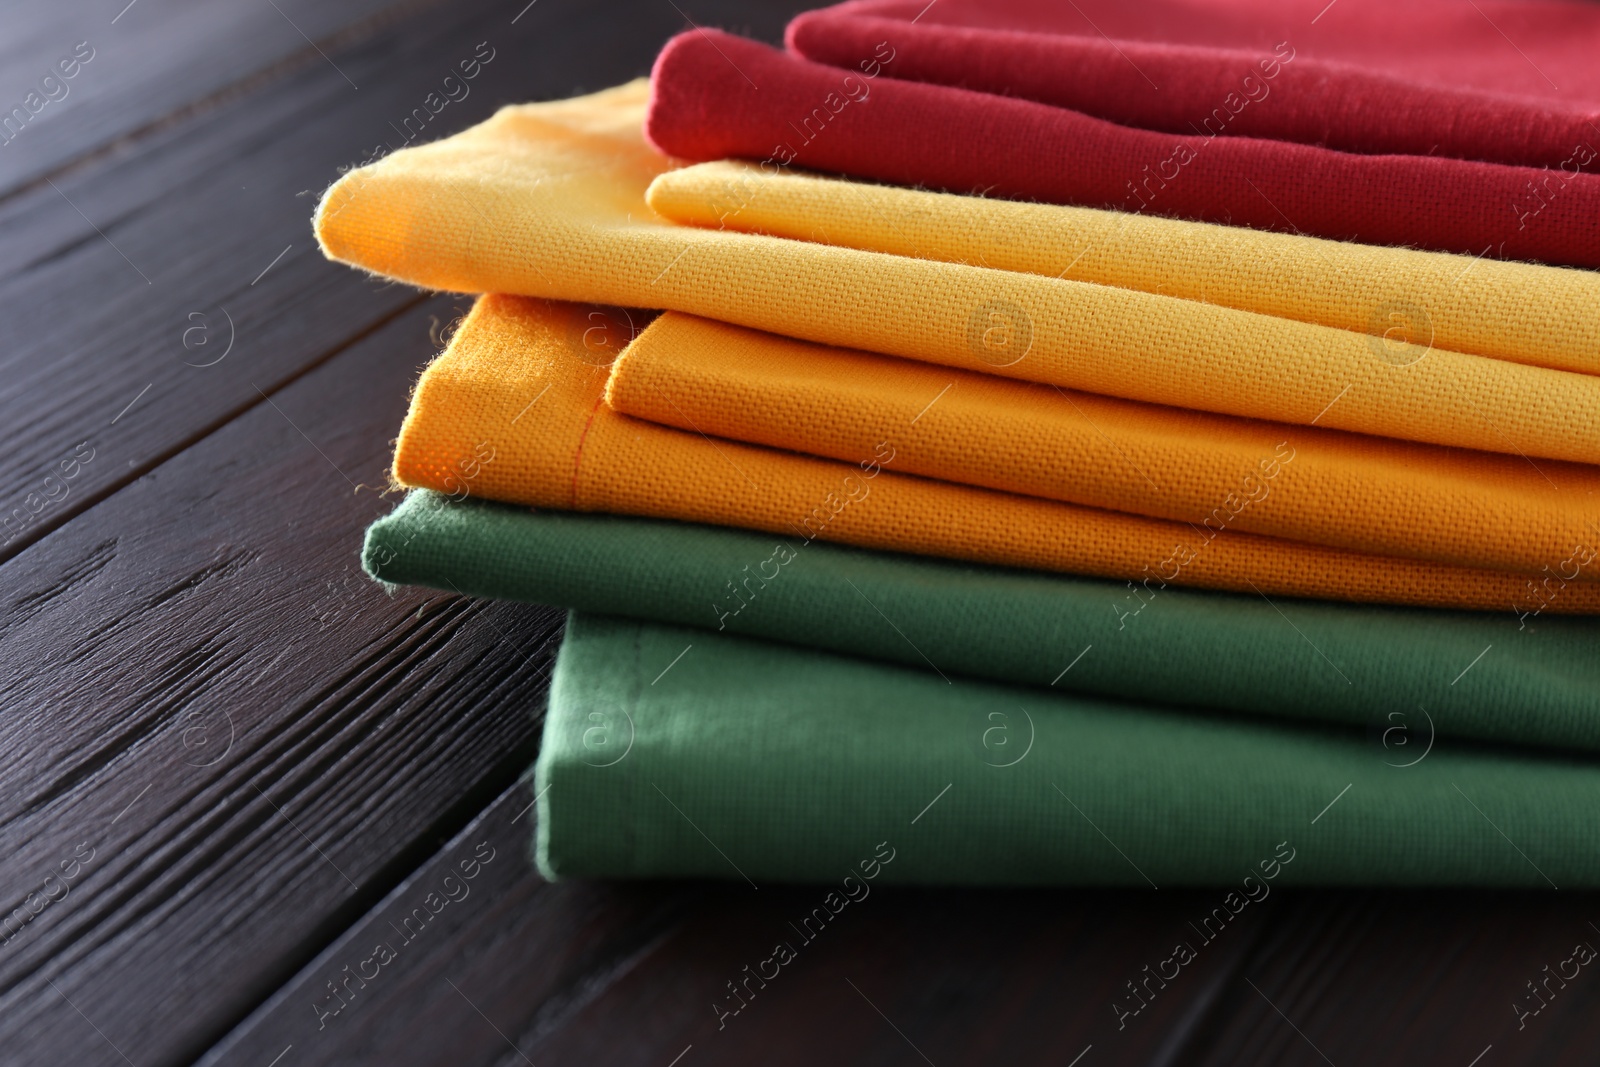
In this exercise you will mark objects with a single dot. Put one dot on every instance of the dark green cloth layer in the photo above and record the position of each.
(673, 752)
(1396, 670)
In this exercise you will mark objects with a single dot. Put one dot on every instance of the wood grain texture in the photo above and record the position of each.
(504, 953)
(948, 977)
(954, 977)
(627, 973)
(1414, 977)
(118, 317)
(239, 740)
(149, 60)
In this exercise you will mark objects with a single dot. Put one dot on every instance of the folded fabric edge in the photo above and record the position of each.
(762, 727)
(1402, 657)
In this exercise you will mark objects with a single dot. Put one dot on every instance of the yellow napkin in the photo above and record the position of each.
(548, 200)
(1524, 312)
(514, 410)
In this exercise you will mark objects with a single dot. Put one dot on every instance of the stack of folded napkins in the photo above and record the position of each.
(1083, 504)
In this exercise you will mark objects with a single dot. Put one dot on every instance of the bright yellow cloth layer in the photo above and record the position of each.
(1524, 312)
(1368, 494)
(514, 410)
(548, 200)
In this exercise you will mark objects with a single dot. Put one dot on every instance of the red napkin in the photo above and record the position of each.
(1508, 81)
(716, 95)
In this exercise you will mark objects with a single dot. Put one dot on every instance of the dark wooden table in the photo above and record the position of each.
(233, 766)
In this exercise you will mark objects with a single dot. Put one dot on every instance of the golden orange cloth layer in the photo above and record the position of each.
(1368, 494)
(514, 410)
(549, 200)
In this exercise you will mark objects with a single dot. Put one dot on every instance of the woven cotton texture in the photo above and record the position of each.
(1427, 77)
(1542, 316)
(755, 762)
(514, 411)
(707, 106)
(1538, 683)
(1324, 487)
(548, 200)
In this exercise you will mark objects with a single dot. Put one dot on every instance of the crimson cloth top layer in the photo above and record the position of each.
(1507, 81)
(716, 95)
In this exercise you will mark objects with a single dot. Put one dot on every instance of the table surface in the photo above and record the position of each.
(234, 765)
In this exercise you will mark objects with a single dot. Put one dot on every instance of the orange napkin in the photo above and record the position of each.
(514, 410)
(1327, 487)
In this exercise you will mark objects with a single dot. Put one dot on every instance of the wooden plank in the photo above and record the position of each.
(131, 66)
(953, 976)
(174, 240)
(226, 742)
(627, 973)
(127, 282)
(967, 976)
(1415, 977)
(549, 948)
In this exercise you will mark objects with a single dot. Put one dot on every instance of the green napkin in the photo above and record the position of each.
(675, 752)
(1405, 674)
